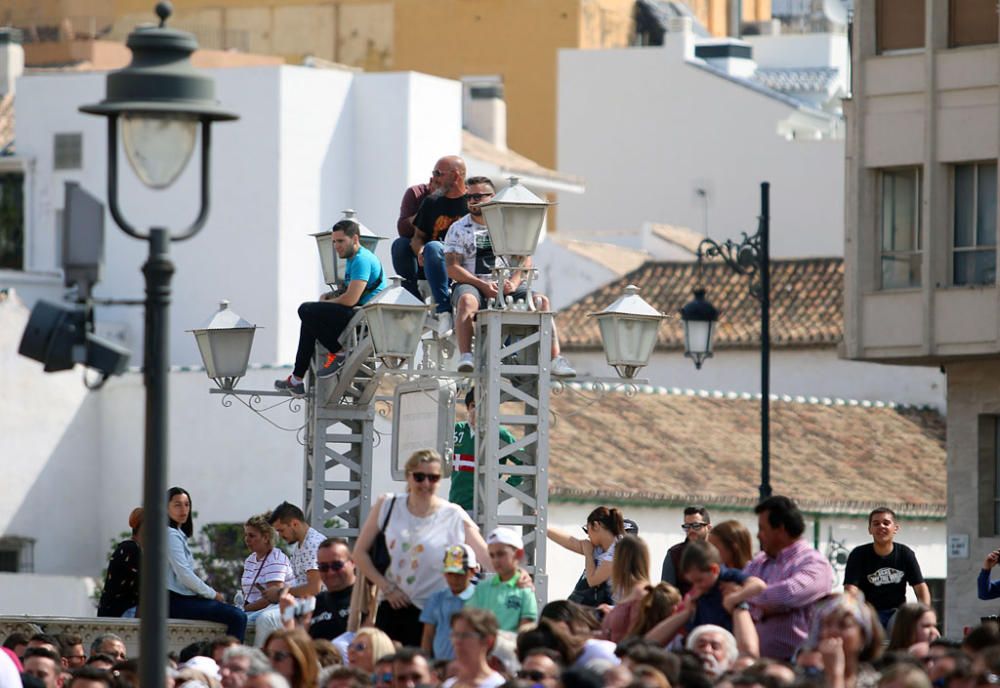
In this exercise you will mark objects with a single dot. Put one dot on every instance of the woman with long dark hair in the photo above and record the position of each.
(734, 543)
(190, 596)
(605, 527)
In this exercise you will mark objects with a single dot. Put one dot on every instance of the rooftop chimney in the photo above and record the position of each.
(484, 111)
(11, 59)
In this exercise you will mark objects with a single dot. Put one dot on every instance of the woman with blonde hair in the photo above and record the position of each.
(629, 581)
(368, 646)
(293, 655)
(418, 527)
(734, 543)
(266, 567)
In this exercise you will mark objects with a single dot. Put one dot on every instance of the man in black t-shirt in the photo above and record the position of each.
(435, 216)
(329, 618)
(883, 569)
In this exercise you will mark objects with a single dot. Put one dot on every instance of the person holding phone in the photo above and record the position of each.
(989, 590)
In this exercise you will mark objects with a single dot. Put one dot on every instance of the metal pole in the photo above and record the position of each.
(153, 609)
(765, 341)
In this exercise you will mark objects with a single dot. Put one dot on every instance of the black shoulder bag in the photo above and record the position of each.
(379, 551)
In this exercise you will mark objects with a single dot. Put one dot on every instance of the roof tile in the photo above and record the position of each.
(806, 303)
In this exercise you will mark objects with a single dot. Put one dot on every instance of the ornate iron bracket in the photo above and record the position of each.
(255, 402)
(745, 257)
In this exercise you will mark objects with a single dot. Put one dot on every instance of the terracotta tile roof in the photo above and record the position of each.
(705, 448)
(806, 304)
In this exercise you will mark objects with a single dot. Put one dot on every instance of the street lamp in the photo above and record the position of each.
(699, 317)
(514, 219)
(335, 267)
(396, 323)
(751, 257)
(160, 99)
(628, 332)
(224, 343)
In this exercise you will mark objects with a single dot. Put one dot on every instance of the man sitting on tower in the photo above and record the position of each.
(469, 256)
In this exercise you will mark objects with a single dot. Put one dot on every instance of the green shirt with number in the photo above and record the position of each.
(463, 482)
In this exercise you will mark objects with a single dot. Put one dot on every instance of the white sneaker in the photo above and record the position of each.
(562, 368)
(466, 364)
(445, 324)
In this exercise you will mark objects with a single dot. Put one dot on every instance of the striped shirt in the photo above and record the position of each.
(796, 578)
(275, 567)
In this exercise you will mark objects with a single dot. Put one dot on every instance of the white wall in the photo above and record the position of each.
(662, 129)
(565, 276)
(39, 595)
(309, 143)
(795, 372)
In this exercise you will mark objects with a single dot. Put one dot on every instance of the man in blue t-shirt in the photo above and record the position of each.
(325, 320)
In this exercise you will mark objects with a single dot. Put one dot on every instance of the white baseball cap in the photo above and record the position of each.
(505, 536)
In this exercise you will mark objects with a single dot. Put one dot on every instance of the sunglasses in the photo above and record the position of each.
(429, 477)
(693, 526)
(477, 196)
(536, 676)
(381, 678)
(438, 173)
(332, 566)
(278, 655)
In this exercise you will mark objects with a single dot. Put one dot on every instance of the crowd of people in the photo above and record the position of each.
(425, 599)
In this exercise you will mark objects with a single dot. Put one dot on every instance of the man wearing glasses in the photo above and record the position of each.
(329, 619)
(469, 255)
(697, 525)
(438, 211)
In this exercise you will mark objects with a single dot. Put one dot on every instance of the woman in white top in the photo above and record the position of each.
(266, 567)
(190, 596)
(605, 527)
(473, 634)
(418, 527)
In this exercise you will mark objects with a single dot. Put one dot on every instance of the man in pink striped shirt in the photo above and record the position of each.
(796, 576)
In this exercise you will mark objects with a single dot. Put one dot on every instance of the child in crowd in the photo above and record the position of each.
(460, 568)
(513, 606)
(707, 601)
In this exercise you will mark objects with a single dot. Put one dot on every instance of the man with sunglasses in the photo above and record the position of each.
(468, 252)
(697, 525)
(336, 569)
(438, 211)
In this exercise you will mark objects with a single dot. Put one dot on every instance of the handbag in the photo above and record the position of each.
(591, 595)
(379, 551)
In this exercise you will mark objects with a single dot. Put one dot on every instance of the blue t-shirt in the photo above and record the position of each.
(440, 607)
(365, 266)
(709, 609)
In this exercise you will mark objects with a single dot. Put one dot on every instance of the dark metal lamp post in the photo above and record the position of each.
(751, 257)
(160, 99)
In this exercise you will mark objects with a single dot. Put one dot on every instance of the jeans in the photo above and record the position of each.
(434, 270)
(202, 609)
(324, 322)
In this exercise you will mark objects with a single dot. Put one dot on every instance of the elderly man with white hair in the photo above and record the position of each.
(716, 646)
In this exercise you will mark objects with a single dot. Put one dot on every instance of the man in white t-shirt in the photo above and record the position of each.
(469, 257)
(304, 540)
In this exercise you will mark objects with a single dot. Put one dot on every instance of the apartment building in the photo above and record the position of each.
(921, 240)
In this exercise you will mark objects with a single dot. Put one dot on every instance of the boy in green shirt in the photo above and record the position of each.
(514, 607)
(463, 483)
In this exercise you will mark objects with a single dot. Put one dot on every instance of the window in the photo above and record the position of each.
(989, 476)
(12, 220)
(899, 25)
(972, 22)
(17, 554)
(68, 152)
(900, 254)
(974, 247)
